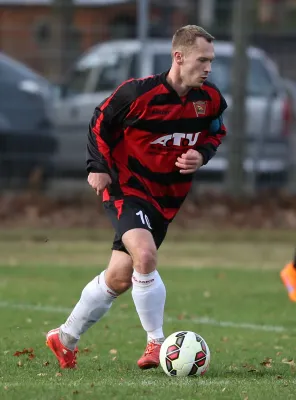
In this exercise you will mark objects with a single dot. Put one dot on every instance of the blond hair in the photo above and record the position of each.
(185, 37)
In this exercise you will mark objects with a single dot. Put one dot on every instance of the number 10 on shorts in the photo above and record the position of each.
(144, 219)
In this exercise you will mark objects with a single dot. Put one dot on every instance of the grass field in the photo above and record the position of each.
(222, 285)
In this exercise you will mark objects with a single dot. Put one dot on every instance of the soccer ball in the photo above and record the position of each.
(184, 353)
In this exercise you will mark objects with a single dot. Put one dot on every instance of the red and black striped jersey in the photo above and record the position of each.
(138, 132)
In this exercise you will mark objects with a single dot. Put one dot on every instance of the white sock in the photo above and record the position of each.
(149, 297)
(96, 299)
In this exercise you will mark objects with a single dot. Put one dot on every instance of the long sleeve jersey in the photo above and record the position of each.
(137, 134)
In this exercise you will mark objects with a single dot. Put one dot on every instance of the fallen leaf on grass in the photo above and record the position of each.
(46, 363)
(113, 351)
(279, 353)
(31, 356)
(114, 358)
(266, 363)
(250, 367)
(290, 362)
(279, 377)
(25, 351)
(58, 374)
(19, 364)
(86, 350)
(224, 339)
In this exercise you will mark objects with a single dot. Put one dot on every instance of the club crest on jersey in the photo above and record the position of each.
(178, 139)
(200, 107)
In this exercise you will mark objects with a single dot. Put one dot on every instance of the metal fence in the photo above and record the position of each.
(43, 128)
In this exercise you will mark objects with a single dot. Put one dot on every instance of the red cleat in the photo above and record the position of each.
(150, 358)
(65, 356)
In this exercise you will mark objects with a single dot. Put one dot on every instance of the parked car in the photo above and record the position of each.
(291, 132)
(102, 68)
(27, 142)
(291, 112)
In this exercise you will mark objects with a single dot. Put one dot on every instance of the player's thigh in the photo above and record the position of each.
(119, 272)
(133, 221)
(141, 246)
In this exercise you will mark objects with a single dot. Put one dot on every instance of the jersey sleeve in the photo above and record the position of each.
(105, 127)
(216, 131)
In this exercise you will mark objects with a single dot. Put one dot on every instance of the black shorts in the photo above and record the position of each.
(132, 212)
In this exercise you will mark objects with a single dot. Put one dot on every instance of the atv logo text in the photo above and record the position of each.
(178, 139)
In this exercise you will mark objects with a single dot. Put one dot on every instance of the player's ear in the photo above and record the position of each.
(178, 56)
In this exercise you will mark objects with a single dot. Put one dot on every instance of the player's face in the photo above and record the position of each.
(196, 63)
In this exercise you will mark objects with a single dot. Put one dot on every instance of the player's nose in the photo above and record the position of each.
(208, 68)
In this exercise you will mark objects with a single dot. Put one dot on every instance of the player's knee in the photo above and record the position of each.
(122, 285)
(145, 260)
(118, 282)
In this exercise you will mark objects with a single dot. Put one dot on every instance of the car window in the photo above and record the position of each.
(259, 81)
(76, 82)
(97, 72)
(112, 71)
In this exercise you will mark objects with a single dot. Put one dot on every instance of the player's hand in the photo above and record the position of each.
(99, 181)
(189, 162)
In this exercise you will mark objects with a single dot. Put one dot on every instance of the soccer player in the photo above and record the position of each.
(145, 143)
(288, 276)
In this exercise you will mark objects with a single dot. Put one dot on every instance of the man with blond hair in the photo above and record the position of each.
(145, 142)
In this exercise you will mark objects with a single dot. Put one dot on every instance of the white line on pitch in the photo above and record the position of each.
(196, 320)
(33, 307)
(231, 324)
